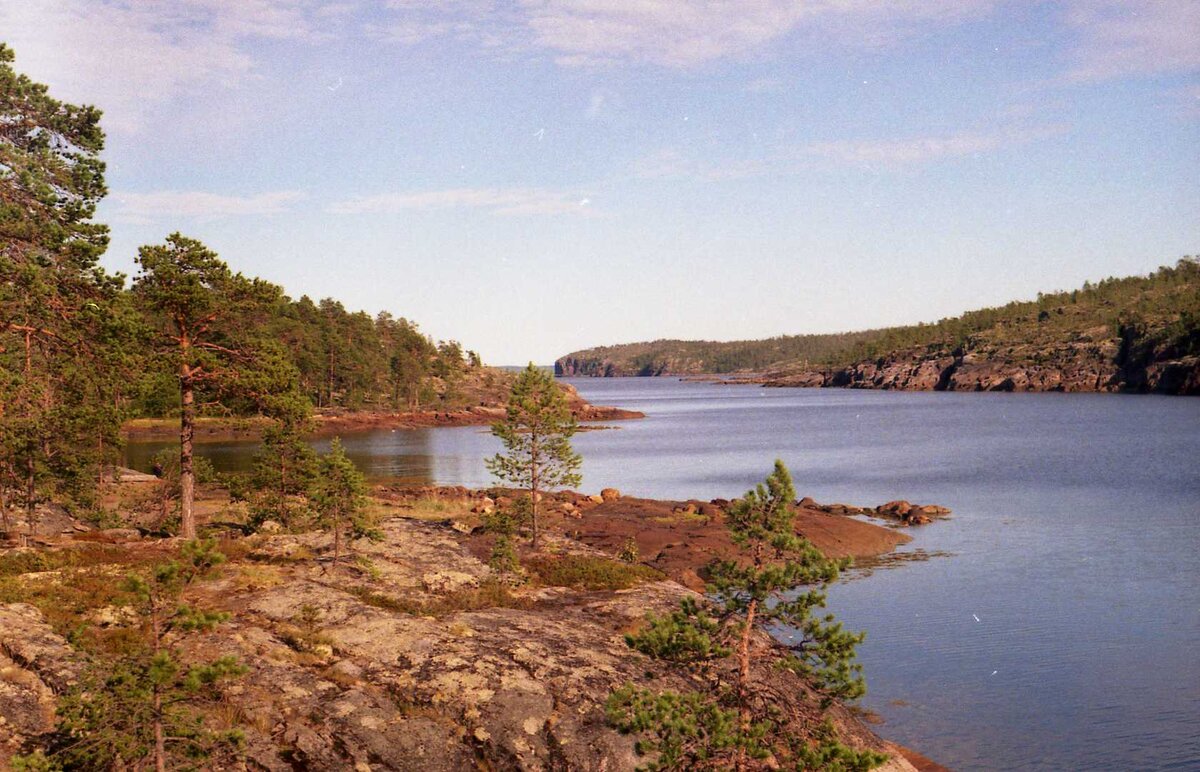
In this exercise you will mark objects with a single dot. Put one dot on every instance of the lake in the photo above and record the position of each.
(1057, 625)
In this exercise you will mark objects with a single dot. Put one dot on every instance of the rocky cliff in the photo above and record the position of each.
(1092, 366)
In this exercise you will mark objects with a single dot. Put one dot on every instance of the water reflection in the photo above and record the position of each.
(414, 456)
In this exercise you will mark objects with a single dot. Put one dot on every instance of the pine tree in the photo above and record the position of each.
(285, 464)
(206, 316)
(765, 591)
(777, 582)
(338, 494)
(61, 320)
(536, 433)
(143, 706)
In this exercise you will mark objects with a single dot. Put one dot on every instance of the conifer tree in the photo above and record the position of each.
(777, 582)
(207, 322)
(142, 707)
(338, 495)
(285, 464)
(61, 322)
(536, 433)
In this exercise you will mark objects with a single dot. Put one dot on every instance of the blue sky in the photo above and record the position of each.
(539, 176)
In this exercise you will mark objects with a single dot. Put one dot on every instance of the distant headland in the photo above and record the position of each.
(1136, 334)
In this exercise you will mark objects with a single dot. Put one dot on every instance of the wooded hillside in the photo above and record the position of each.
(1139, 333)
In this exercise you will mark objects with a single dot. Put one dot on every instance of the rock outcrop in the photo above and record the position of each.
(1074, 369)
(36, 665)
(403, 669)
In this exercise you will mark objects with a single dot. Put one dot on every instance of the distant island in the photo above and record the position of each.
(1133, 334)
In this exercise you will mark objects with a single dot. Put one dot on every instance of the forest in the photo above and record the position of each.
(84, 350)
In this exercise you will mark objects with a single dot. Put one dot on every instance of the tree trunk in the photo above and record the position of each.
(743, 686)
(5, 523)
(187, 433)
(533, 485)
(31, 496)
(160, 743)
(533, 508)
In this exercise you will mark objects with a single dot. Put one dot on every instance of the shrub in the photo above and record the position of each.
(586, 572)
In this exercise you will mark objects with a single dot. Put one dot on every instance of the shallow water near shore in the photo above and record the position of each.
(1056, 621)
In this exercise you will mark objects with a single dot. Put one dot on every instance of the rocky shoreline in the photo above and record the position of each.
(419, 659)
(972, 373)
(1080, 371)
(332, 422)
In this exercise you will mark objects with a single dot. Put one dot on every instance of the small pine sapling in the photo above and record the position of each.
(339, 497)
(536, 433)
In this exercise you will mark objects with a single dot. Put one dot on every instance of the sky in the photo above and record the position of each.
(540, 176)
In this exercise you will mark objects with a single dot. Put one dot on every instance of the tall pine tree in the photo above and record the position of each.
(209, 321)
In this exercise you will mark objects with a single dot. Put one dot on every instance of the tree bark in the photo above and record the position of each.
(160, 742)
(743, 687)
(533, 486)
(187, 434)
(31, 496)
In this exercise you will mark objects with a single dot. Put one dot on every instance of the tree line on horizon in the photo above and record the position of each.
(1157, 315)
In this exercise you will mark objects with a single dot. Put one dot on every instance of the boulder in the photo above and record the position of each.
(898, 508)
(122, 534)
(442, 582)
(610, 494)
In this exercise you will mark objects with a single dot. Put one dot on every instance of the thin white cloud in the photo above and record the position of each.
(129, 57)
(669, 33)
(681, 35)
(1119, 38)
(502, 201)
(173, 204)
(918, 150)
(909, 151)
(410, 22)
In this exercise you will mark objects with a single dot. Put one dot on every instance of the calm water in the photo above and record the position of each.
(1063, 631)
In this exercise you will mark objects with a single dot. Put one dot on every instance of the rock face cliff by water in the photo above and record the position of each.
(1084, 368)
